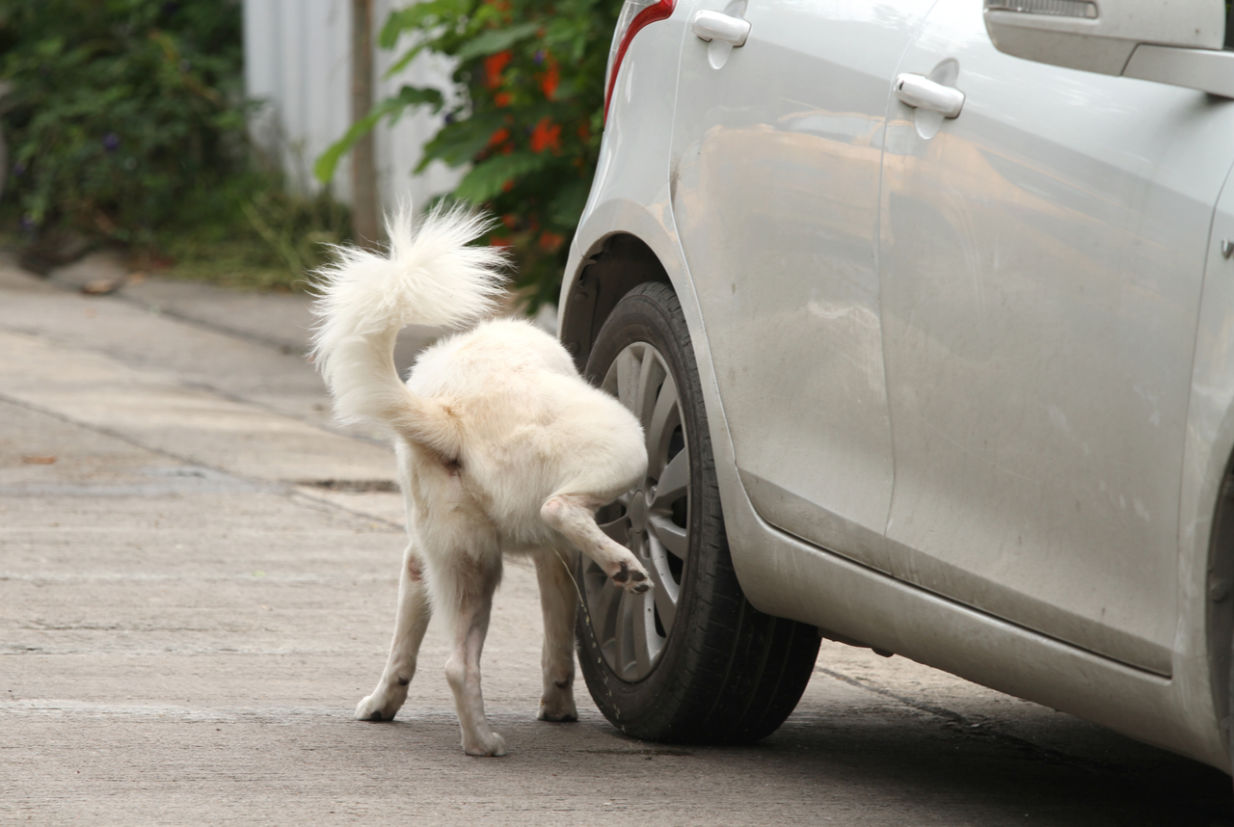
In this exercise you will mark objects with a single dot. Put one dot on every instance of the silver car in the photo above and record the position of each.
(928, 311)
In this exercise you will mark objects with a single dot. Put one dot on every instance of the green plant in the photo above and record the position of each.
(525, 111)
(125, 121)
(120, 112)
(271, 241)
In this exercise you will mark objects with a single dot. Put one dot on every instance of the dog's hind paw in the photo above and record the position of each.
(632, 579)
(558, 708)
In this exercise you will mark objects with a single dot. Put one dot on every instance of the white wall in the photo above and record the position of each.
(297, 60)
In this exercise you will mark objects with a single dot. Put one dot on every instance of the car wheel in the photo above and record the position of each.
(691, 660)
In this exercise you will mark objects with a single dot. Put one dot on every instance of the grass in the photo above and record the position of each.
(270, 242)
(264, 239)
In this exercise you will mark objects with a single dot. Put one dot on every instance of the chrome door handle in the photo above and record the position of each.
(919, 92)
(714, 26)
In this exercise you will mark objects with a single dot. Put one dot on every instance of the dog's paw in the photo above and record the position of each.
(558, 709)
(485, 745)
(378, 707)
(632, 578)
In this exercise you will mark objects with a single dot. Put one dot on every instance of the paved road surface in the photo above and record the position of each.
(197, 579)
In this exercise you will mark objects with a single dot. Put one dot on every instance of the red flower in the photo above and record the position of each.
(550, 78)
(546, 135)
(550, 242)
(498, 138)
(494, 65)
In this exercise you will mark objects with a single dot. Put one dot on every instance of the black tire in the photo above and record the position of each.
(718, 671)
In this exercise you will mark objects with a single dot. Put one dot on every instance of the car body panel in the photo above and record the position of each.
(1206, 566)
(757, 126)
(826, 582)
(1040, 281)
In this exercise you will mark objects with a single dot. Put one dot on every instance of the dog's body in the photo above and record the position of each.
(501, 445)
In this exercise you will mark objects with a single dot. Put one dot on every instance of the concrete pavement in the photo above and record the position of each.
(197, 580)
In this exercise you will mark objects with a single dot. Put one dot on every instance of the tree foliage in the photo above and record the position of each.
(524, 112)
(120, 115)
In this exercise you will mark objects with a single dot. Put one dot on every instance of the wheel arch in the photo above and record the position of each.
(1206, 633)
(1219, 600)
(614, 266)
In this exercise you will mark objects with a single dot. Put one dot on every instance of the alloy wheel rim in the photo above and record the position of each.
(632, 630)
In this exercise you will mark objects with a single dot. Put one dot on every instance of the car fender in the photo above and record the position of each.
(634, 201)
(648, 218)
(1206, 505)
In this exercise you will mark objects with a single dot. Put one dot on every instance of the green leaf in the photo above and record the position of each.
(460, 142)
(401, 63)
(497, 40)
(422, 17)
(487, 178)
(421, 96)
(326, 164)
(392, 108)
(567, 205)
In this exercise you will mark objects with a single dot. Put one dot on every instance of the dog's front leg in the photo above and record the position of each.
(558, 600)
(473, 587)
(410, 623)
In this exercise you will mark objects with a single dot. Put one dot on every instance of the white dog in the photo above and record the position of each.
(501, 445)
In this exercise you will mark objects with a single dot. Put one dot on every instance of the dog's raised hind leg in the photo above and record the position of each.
(573, 516)
(558, 601)
(410, 623)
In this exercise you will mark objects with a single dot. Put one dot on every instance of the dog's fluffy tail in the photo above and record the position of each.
(428, 275)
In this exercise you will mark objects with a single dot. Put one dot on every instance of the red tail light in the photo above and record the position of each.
(635, 14)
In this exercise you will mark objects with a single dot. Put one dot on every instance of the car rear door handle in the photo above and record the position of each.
(919, 92)
(724, 28)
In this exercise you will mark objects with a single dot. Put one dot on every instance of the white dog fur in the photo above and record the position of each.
(502, 448)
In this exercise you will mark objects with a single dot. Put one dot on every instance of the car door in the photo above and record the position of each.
(774, 185)
(1041, 261)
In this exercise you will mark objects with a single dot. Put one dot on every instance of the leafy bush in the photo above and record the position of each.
(125, 122)
(121, 113)
(525, 111)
